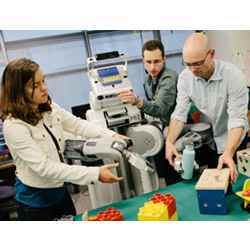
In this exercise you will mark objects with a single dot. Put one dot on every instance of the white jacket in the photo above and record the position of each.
(35, 155)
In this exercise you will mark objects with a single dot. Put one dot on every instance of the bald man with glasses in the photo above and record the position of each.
(218, 89)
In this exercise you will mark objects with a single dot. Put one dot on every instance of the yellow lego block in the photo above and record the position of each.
(174, 217)
(155, 212)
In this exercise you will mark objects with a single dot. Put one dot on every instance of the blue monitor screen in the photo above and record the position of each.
(113, 71)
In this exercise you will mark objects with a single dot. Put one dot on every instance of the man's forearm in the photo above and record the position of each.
(233, 140)
(174, 130)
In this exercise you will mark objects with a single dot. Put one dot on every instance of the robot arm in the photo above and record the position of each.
(198, 134)
(148, 176)
(101, 148)
(190, 136)
(139, 162)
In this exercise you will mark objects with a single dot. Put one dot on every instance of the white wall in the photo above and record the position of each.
(232, 46)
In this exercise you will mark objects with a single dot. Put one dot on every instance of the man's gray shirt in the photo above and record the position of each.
(222, 100)
(161, 95)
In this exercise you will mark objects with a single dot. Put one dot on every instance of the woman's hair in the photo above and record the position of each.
(14, 100)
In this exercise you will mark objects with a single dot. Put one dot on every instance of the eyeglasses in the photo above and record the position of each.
(196, 64)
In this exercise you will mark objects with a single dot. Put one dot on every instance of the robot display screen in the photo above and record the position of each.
(109, 76)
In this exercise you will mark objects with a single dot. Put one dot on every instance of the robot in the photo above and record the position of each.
(107, 79)
(108, 75)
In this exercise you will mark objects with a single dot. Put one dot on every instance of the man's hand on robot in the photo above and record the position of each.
(106, 176)
(128, 97)
(120, 137)
(171, 154)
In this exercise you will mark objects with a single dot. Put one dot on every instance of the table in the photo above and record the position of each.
(186, 202)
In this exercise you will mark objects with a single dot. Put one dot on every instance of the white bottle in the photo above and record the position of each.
(188, 162)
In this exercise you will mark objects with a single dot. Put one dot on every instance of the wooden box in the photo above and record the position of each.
(211, 191)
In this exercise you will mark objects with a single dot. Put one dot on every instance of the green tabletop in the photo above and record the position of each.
(186, 201)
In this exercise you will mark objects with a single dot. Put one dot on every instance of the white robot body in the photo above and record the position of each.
(116, 116)
(108, 111)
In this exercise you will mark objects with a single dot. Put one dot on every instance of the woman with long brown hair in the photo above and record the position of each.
(34, 129)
